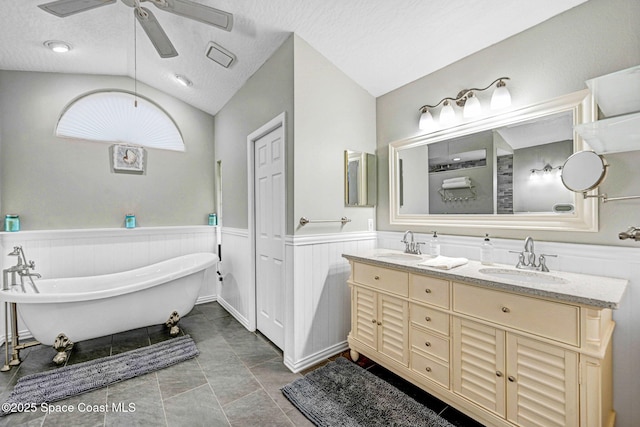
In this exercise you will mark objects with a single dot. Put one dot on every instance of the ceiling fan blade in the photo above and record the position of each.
(64, 8)
(199, 12)
(155, 33)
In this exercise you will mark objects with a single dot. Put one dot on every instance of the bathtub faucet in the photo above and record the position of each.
(22, 268)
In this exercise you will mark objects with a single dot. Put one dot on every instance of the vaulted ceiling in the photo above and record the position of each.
(380, 44)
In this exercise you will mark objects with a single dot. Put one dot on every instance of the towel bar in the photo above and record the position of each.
(304, 220)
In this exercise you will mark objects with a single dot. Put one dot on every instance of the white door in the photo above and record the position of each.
(269, 223)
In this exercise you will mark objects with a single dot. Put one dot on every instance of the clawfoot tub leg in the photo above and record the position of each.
(61, 344)
(172, 323)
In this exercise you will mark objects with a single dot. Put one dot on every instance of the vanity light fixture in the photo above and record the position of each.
(183, 80)
(470, 103)
(57, 46)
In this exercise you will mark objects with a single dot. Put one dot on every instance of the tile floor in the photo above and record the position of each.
(235, 381)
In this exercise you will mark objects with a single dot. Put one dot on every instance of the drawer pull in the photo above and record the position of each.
(498, 374)
(428, 344)
(512, 378)
(428, 319)
(428, 291)
(379, 323)
(428, 369)
(376, 277)
(505, 309)
(373, 320)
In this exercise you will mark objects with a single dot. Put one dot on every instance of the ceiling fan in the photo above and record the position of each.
(188, 9)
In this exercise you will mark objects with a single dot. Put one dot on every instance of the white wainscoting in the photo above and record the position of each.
(319, 309)
(91, 252)
(610, 261)
(235, 292)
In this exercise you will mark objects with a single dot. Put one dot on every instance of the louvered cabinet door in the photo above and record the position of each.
(542, 384)
(393, 328)
(478, 364)
(365, 319)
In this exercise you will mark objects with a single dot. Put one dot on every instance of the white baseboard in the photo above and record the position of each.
(206, 298)
(314, 359)
(235, 313)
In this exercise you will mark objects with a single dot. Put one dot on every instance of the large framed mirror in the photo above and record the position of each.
(498, 172)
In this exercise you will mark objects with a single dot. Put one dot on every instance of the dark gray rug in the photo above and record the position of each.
(343, 394)
(58, 384)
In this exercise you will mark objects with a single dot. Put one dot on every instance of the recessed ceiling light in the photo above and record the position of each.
(184, 81)
(58, 46)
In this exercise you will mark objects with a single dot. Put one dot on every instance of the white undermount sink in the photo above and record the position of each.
(522, 275)
(399, 256)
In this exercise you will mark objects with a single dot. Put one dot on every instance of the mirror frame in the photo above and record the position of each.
(585, 215)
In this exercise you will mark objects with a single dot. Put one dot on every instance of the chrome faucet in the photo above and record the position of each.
(411, 246)
(527, 258)
(22, 268)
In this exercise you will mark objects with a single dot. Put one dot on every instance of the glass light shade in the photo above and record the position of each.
(447, 114)
(472, 107)
(426, 121)
(112, 116)
(501, 98)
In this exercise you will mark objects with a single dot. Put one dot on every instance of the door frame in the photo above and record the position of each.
(276, 122)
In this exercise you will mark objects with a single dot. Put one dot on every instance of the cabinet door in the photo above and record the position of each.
(393, 329)
(364, 317)
(542, 384)
(478, 364)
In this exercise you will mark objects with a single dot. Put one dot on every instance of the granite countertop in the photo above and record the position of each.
(594, 291)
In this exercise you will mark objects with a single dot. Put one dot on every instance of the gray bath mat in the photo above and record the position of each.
(58, 384)
(343, 394)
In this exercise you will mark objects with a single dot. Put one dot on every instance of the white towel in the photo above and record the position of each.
(457, 179)
(444, 262)
(460, 184)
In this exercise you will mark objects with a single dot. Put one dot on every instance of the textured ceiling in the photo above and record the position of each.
(380, 44)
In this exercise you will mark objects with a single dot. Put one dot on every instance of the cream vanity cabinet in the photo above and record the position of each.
(503, 358)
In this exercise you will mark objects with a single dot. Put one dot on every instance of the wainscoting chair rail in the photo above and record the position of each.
(304, 220)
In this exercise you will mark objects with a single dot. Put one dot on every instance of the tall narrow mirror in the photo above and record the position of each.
(359, 179)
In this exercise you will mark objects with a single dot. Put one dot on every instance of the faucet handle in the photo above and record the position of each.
(543, 262)
(32, 265)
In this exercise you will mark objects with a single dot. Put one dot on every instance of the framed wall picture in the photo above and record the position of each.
(128, 158)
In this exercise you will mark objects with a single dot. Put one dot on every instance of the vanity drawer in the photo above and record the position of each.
(430, 343)
(430, 368)
(382, 278)
(430, 318)
(549, 319)
(430, 290)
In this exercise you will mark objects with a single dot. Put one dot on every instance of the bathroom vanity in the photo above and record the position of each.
(506, 346)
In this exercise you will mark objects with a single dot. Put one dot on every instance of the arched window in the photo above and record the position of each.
(116, 116)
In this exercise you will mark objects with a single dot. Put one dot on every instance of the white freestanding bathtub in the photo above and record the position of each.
(88, 307)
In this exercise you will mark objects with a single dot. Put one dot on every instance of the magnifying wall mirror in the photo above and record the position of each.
(584, 171)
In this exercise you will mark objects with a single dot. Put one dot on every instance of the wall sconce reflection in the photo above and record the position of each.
(546, 172)
(469, 102)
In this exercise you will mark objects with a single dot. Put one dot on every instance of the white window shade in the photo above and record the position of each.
(112, 116)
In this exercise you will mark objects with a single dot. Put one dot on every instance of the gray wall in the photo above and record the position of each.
(326, 113)
(544, 62)
(55, 183)
(266, 94)
(333, 114)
